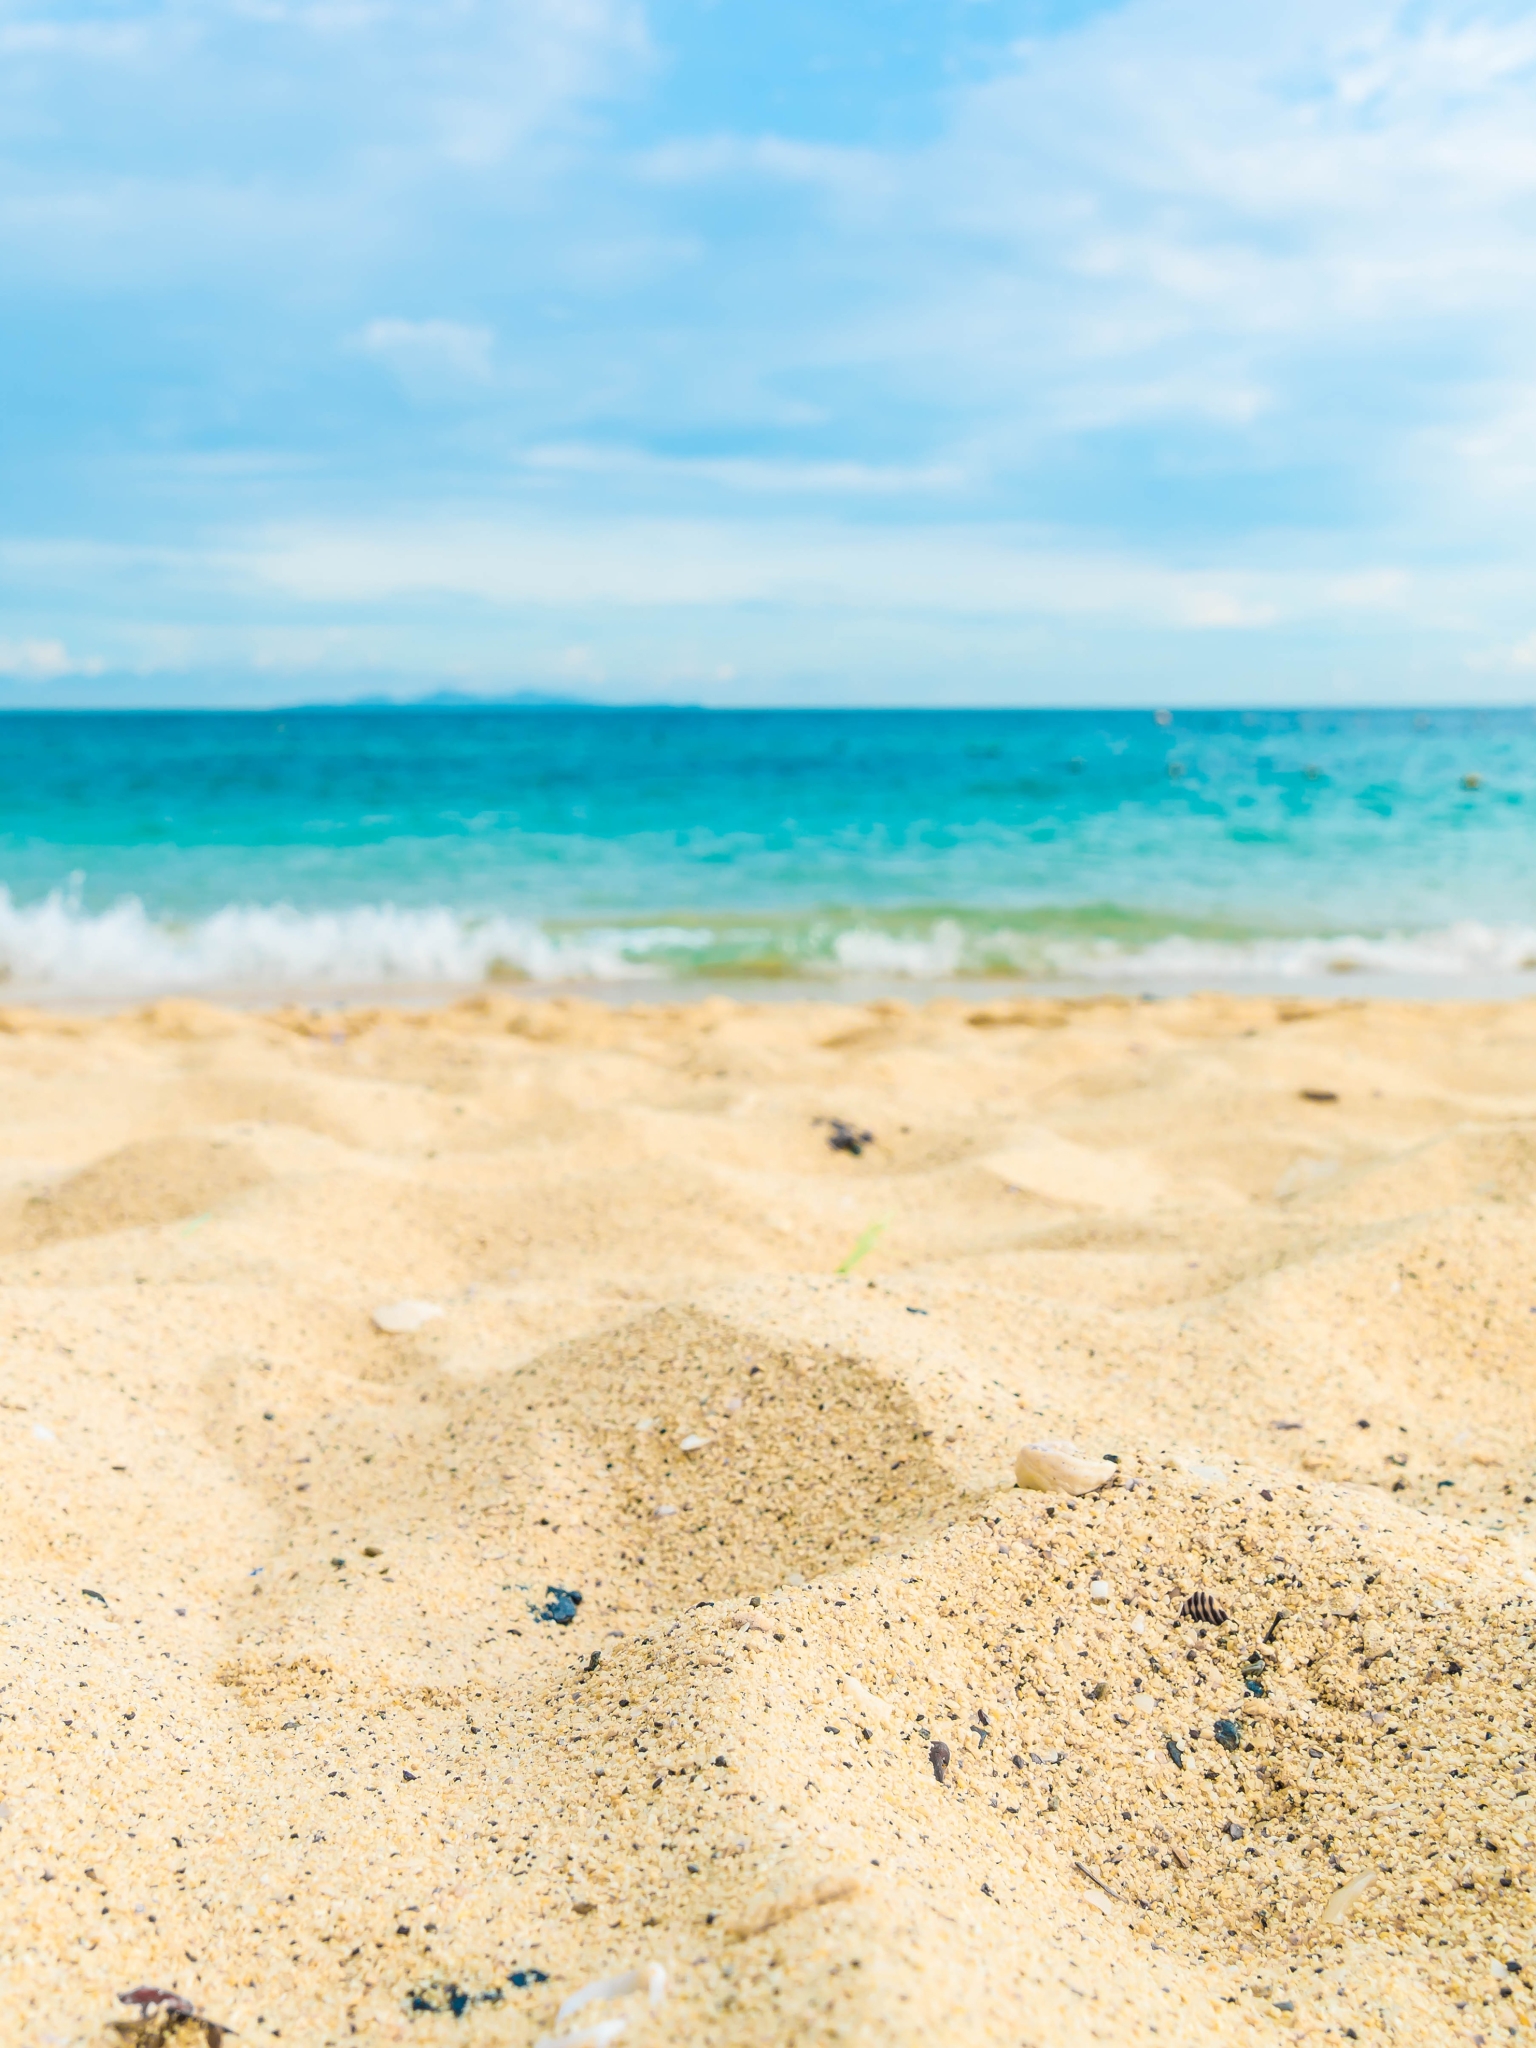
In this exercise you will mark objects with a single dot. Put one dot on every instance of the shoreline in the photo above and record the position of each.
(658, 992)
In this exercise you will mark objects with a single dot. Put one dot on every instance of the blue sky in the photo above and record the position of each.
(755, 351)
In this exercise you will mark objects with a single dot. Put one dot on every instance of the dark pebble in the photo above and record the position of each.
(1228, 1734)
(1175, 1752)
(938, 1756)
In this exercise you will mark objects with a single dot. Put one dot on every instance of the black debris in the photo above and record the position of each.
(449, 1998)
(846, 1137)
(146, 1996)
(938, 1756)
(165, 2017)
(523, 1978)
(561, 1606)
(1318, 1094)
(1175, 1752)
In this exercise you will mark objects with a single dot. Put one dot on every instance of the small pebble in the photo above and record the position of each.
(938, 1756)
(560, 1607)
(400, 1318)
(1228, 1734)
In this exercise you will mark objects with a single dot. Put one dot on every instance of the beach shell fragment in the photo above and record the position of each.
(652, 1980)
(693, 1443)
(866, 1701)
(401, 1318)
(1055, 1468)
(1101, 1590)
(1203, 1607)
(1343, 1902)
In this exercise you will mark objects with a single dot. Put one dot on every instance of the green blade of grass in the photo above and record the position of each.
(863, 1248)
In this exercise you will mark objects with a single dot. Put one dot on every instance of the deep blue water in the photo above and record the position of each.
(216, 849)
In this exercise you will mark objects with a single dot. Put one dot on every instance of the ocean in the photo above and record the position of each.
(420, 849)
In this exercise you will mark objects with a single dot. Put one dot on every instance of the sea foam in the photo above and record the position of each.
(56, 944)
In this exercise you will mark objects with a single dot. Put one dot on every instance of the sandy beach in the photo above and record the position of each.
(731, 1319)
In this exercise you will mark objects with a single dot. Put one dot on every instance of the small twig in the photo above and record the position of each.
(1082, 1871)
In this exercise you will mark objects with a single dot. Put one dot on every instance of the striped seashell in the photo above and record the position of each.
(1203, 1607)
(1052, 1468)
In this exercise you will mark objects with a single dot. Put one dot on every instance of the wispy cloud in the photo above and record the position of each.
(43, 661)
(431, 358)
(759, 476)
(651, 564)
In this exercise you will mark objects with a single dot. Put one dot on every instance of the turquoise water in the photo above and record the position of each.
(349, 849)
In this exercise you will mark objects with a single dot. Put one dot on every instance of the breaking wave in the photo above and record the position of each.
(57, 945)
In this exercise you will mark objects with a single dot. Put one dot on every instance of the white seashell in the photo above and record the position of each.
(863, 1698)
(1145, 1704)
(693, 1443)
(400, 1318)
(665, 1511)
(1101, 1590)
(1053, 1468)
(1346, 1898)
(652, 1979)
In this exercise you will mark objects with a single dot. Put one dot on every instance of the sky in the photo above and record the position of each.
(767, 351)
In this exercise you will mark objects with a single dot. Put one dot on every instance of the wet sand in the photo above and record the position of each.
(283, 1729)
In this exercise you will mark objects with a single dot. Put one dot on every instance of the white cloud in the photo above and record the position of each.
(645, 564)
(431, 358)
(1313, 222)
(42, 661)
(758, 475)
(841, 172)
(289, 137)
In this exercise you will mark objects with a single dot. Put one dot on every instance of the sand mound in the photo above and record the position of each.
(150, 1181)
(304, 1717)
